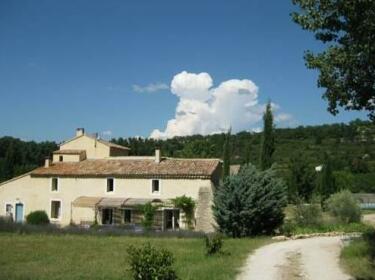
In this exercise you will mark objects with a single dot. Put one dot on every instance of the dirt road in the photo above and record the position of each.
(304, 259)
(369, 218)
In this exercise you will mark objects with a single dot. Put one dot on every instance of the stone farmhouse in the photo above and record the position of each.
(89, 180)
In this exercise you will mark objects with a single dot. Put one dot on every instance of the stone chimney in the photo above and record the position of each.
(157, 156)
(47, 162)
(80, 132)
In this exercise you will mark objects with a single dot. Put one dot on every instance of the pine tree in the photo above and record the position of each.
(268, 139)
(226, 155)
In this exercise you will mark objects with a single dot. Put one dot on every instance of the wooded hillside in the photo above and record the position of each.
(350, 146)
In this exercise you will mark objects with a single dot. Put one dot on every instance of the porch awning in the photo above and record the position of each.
(111, 202)
(86, 201)
(143, 201)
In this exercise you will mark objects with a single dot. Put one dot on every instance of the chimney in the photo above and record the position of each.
(157, 155)
(47, 162)
(80, 132)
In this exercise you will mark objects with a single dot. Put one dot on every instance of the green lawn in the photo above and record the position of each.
(45, 256)
(355, 258)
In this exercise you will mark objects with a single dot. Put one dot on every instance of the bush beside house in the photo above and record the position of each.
(37, 218)
(250, 203)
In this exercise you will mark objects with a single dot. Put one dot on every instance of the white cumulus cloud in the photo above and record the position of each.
(153, 87)
(205, 109)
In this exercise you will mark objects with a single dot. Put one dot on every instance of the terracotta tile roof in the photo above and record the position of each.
(132, 168)
(69, 152)
(110, 144)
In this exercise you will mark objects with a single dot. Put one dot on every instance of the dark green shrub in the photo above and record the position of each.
(288, 228)
(213, 243)
(307, 215)
(37, 218)
(369, 237)
(344, 207)
(250, 203)
(149, 263)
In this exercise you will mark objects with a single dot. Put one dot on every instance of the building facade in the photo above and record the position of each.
(92, 181)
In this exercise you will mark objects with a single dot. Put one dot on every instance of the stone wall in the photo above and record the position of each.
(204, 217)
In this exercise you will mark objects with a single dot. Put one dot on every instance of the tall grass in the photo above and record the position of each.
(356, 260)
(72, 256)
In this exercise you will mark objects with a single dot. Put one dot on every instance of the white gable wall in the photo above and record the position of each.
(94, 149)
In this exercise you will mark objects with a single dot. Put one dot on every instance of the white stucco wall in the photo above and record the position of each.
(66, 158)
(36, 194)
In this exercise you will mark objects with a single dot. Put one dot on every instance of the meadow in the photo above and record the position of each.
(49, 256)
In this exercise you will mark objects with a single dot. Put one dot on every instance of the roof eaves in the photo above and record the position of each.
(126, 176)
(16, 178)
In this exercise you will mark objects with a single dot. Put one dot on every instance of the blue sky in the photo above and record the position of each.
(68, 64)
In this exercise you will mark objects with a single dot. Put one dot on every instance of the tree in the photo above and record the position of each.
(344, 207)
(359, 165)
(226, 155)
(326, 179)
(250, 203)
(8, 168)
(344, 180)
(347, 66)
(301, 178)
(268, 139)
(247, 153)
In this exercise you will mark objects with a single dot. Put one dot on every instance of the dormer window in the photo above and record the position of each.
(110, 185)
(54, 184)
(155, 186)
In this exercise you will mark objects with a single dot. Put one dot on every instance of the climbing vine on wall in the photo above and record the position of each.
(187, 204)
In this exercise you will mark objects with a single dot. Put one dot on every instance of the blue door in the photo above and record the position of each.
(19, 213)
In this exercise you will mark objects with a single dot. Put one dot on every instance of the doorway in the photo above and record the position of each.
(171, 219)
(19, 213)
(107, 216)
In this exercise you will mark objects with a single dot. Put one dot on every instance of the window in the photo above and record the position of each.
(55, 185)
(110, 185)
(155, 186)
(55, 209)
(8, 210)
(127, 216)
(61, 158)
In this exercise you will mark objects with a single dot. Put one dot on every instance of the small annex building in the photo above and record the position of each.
(89, 180)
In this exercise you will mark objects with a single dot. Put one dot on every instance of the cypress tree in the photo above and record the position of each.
(248, 153)
(301, 178)
(226, 155)
(327, 184)
(268, 139)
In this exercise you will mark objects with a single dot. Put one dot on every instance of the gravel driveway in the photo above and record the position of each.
(369, 218)
(308, 259)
